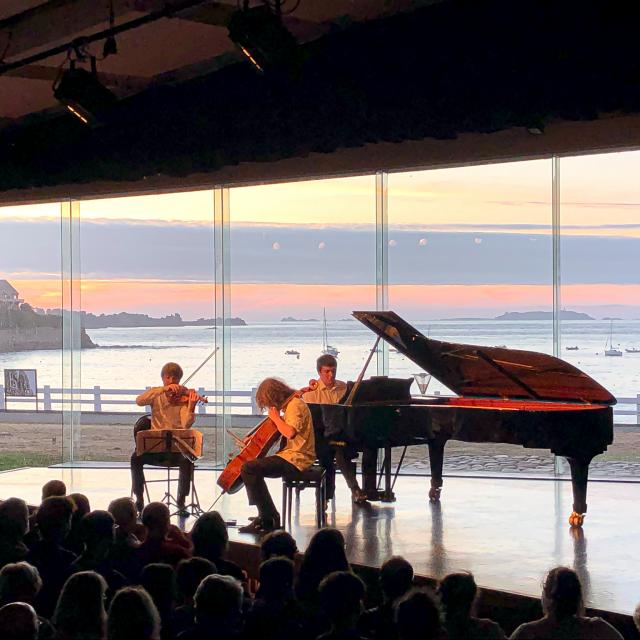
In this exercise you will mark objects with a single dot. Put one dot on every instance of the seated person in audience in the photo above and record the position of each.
(164, 541)
(133, 616)
(159, 581)
(166, 414)
(210, 540)
(81, 508)
(80, 610)
(96, 534)
(14, 524)
(328, 390)
(418, 617)
(53, 488)
(341, 595)
(189, 574)
(18, 621)
(564, 612)
(297, 454)
(218, 603)
(20, 582)
(396, 578)
(48, 554)
(636, 617)
(457, 593)
(127, 537)
(275, 614)
(278, 543)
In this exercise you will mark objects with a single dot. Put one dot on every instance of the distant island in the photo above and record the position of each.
(123, 319)
(290, 319)
(609, 318)
(543, 315)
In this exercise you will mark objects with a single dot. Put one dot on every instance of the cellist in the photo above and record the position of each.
(293, 421)
(172, 407)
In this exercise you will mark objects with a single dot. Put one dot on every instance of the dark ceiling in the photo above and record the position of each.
(435, 70)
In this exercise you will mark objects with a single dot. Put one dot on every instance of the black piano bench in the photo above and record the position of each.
(313, 477)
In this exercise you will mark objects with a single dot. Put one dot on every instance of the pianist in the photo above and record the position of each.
(328, 390)
(167, 412)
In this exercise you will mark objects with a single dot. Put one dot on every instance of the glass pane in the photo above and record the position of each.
(147, 299)
(601, 278)
(300, 252)
(470, 261)
(30, 336)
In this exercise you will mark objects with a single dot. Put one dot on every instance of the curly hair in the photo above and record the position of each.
(272, 392)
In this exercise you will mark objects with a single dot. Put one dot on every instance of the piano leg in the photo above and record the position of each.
(436, 458)
(579, 477)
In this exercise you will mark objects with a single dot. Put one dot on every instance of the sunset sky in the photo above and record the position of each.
(464, 241)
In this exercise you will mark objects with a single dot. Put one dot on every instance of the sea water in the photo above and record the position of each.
(131, 358)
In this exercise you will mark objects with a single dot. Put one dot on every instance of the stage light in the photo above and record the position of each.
(83, 95)
(263, 38)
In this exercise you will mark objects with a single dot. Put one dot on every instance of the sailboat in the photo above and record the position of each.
(327, 349)
(611, 350)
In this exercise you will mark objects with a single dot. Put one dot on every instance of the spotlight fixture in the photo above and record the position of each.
(263, 38)
(83, 95)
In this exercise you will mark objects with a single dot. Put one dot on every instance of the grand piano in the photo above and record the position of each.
(503, 395)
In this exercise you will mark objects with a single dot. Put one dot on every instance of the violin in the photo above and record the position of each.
(183, 396)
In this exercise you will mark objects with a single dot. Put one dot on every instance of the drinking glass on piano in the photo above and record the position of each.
(422, 380)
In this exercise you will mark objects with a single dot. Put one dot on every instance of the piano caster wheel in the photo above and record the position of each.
(576, 519)
(434, 494)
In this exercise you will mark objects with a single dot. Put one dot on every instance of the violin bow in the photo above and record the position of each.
(213, 353)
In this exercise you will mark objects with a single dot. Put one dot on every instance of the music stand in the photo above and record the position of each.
(166, 444)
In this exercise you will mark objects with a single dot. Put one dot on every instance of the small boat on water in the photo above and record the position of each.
(633, 350)
(292, 352)
(609, 349)
(327, 349)
(572, 348)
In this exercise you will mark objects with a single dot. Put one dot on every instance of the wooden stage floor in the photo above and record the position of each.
(508, 532)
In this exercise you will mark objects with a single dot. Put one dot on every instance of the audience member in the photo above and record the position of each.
(80, 613)
(210, 540)
(275, 614)
(189, 574)
(53, 488)
(96, 533)
(418, 617)
(457, 593)
(164, 541)
(564, 612)
(278, 543)
(218, 603)
(159, 582)
(48, 555)
(324, 555)
(20, 582)
(341, 595)
(14, 524)
(133, 616)
(396, 578)
(18, 621)
(636, 617)
(81, 508)
(129, 534)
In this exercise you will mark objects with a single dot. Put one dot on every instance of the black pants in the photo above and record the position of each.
(174, 459)
(253, 474)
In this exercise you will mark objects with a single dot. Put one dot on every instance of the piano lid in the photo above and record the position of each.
(494, 372)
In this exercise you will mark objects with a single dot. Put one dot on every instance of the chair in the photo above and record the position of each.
(313, 477)
(169, 448)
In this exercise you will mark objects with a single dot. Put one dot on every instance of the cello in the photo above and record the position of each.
(257, 444)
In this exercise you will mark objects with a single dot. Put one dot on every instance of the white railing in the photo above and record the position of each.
(101, 399)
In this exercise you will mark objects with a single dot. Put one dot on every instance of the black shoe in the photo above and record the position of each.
(261, 525)
(182, 509)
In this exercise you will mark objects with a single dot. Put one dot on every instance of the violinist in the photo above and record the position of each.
(172, 407)
(292, 418)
